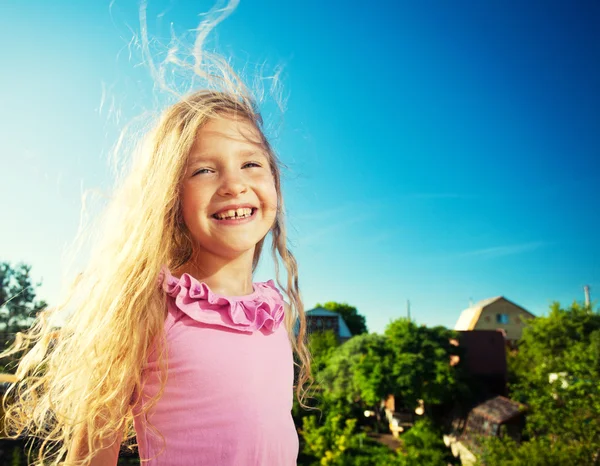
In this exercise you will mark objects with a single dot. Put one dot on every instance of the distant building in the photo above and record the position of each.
(496, 417)
(484, 359)
(495, 314)
(320, 320)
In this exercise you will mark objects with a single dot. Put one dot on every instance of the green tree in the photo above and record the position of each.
(424, 444)
(359, 371)
(550, 344)
(356, 322)
(421, 363)
(337, 441)
(539, 451)
(407, 360)
(18, 300)
(321, 346)
(563, 420)
(328, 442)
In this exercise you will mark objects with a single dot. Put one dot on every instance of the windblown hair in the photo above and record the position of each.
(81, 377)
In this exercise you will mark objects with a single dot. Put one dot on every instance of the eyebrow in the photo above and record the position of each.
(210, 157)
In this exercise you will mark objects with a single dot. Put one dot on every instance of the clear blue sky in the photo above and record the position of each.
(437, 151)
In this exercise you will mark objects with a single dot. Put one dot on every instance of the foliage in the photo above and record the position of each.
(410, 360)
(423, 444)
(356, 323)
(359, 370)
(563, 421)
(321, 346)
(550, 344)
(541, 451)
(18, 303)
(421, 365)
(337, 442)
(565, 343)
(330, 441)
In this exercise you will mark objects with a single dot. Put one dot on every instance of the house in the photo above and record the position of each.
(495, 314)
(496, 417)
(484, 360)
(320, 320)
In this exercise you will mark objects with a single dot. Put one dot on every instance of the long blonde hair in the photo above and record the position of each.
(83, 374)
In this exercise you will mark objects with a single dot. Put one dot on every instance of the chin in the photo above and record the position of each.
(235, 252)
(231, 249)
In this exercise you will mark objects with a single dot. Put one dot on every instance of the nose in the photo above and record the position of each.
(232, 185)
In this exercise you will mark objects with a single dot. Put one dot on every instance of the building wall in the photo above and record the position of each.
(503, 315)
(323, 323)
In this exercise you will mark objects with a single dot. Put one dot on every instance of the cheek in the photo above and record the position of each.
(270, 198)
(191, 204)
(187, 203)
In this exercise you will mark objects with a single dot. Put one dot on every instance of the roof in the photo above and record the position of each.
(499, 409)
(322, 312)
(470, 316)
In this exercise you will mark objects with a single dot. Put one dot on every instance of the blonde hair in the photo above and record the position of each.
(81, 377)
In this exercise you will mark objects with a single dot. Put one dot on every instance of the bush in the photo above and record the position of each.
(424, 444)
(540, 451)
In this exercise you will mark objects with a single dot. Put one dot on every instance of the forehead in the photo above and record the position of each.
(229, 132)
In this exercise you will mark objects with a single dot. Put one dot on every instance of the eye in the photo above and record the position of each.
(202, 171)
(251, 165)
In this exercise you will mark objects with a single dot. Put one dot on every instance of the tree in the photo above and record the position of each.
(539, 451)
(337, 441)
(424, 444)
(321, 346)
(359, 371)
(407, 360)
(356, 323)
(18, 300)
(563, 420)
(330, 441)
(421, 364)
(551, 343)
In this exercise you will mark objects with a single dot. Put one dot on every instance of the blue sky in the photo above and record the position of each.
(437, 151)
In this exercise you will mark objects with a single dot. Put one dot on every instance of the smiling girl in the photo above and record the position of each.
(170, 335)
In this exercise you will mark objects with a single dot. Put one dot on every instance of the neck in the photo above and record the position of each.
(225, 276)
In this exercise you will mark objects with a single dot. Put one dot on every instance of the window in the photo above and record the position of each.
(502, 318)
(485, 426)
(493, 430)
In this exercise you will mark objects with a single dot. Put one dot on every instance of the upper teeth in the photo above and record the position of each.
(238, 213)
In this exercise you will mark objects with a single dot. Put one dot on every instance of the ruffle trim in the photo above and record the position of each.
(262, 310)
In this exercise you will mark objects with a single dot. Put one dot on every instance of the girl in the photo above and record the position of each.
(169, 334)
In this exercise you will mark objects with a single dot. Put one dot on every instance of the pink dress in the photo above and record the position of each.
(229, 391)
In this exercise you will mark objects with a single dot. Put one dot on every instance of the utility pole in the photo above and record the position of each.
(408, 309)
(586, 292)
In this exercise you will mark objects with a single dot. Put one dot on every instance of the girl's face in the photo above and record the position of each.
(228, 195)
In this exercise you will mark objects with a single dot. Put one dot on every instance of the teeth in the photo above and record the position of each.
(239, 213)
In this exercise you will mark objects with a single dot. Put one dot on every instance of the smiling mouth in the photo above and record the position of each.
(235, 214)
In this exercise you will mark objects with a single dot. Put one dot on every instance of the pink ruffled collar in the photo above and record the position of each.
(262, 310)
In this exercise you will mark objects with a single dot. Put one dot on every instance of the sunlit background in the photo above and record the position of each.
(438, 152)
